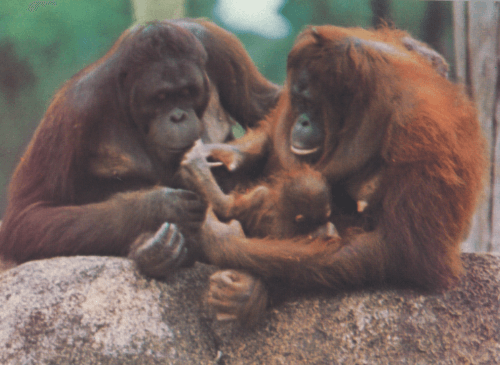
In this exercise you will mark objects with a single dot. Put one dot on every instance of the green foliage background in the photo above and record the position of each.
(417, 17)
(43, 43)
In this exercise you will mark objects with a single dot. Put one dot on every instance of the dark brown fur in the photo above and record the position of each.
(98, 177)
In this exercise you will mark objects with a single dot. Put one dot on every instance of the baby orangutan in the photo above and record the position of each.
(286, 205)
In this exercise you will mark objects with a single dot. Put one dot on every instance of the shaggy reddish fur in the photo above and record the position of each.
(385, 104)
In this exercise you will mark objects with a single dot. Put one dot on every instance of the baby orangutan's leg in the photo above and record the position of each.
(196, 174)
(237, 295)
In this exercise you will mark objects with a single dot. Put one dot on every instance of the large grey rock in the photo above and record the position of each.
(97, 310)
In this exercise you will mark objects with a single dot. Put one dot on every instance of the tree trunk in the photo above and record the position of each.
(148, 10)
(476, 26)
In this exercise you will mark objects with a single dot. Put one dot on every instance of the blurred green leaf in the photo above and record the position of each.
(52, 40)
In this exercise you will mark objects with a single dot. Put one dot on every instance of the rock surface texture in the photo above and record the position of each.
(99, 310)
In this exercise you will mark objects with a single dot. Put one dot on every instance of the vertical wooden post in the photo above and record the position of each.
(147, 10)
(460, 39)
(477, 48)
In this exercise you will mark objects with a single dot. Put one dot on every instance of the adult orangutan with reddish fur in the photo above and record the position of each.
(373, 112)
(100, 174)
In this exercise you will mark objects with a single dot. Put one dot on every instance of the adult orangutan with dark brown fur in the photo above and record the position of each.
(99, 176)
(364, 108)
